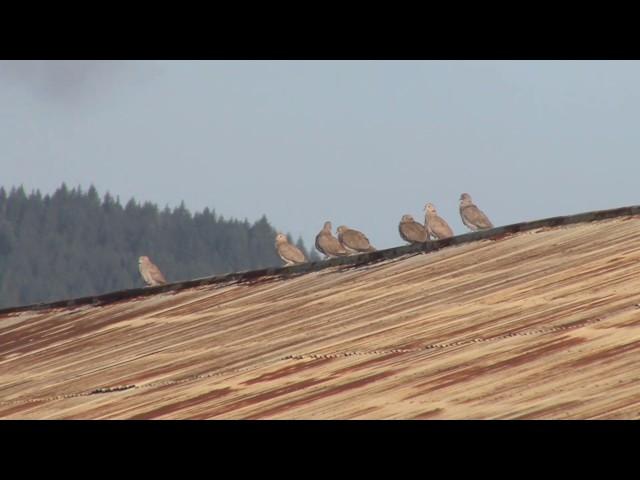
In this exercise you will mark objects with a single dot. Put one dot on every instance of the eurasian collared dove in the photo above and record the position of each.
(354, 241)
(472, 216)
(150, 272)
(289, 253)
(412, 231)
(329, 245)
(436, 226)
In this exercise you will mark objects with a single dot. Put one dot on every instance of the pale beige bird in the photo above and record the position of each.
(412, 231)
(150, 272)
(354, 241)
(289, 253)
(472, 216)
(436, 225)
(329, 245)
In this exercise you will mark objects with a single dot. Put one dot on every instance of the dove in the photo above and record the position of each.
(354, 241)
(150, 272)
(329, 245)
(436, 225)
(289, 253)
(471, 215)
(412, 231)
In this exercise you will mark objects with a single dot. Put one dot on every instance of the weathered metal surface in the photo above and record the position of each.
(544, 323)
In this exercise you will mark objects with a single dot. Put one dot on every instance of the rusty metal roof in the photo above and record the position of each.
(536, 320)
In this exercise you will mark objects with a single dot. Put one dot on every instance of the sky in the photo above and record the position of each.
(359, 143)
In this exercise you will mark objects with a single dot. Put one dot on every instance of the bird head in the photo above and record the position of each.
(465, 199)
(406, 218)
(327, 226)
(281, 238)
(341, 229)
(430, 208)
(143, 259)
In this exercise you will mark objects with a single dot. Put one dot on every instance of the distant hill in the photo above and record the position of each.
(74, 243)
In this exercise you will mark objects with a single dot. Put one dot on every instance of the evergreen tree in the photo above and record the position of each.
(74, 243)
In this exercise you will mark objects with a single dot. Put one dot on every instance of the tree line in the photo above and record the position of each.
(74, 243)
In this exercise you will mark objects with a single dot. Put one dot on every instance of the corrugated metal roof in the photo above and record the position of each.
(544, 323)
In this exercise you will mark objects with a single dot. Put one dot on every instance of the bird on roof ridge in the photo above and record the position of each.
(329, 245)
(354, 241)
(289, 253)
(412, 231)
(151, 274)
(436, 225)
(471, 215)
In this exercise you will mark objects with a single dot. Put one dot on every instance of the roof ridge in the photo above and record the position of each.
(354, 260)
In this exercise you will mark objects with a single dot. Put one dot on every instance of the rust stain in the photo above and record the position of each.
(184, 404)
(473, 373)
(287, 371)
(17, 408)
(504, 236)
(364, 411)
(604, 355)
(322, 394)
(429, 414)
(557, 411)
(268, 395)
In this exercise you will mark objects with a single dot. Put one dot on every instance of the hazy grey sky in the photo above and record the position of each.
(359, 143)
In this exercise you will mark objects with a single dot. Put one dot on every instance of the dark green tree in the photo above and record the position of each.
(73, 243)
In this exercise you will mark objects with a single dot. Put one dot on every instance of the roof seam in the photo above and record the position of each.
(539, 331)
(217, 373)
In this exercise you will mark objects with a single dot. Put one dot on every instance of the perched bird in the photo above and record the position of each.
(328, 244)
(436, 226)
(354, 241)
(289, 253)
(412, 231)
(150, 272)
(472, 216)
